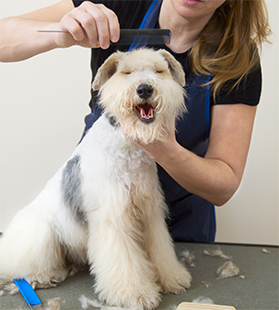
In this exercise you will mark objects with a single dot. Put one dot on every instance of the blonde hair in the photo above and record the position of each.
(227, 46)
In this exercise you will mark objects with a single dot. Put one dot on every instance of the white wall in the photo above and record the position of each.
(252, 215)
(43, 101)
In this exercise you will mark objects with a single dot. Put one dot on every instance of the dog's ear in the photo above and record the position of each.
(107, 70)
(174, 67)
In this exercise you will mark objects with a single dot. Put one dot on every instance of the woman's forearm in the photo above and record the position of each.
(20, 40)
(211, 179)
(89, 25)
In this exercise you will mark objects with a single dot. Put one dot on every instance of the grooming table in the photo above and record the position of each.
(257, 288)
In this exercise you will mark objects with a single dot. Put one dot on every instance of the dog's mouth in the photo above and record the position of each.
(146, 112)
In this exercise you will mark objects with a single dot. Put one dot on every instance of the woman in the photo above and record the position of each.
(215, 41)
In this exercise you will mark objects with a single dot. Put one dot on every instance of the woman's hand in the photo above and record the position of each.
(89, 25)
(159, 151)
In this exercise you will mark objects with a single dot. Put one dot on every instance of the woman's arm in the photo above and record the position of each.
(217, 176)
(90, 25)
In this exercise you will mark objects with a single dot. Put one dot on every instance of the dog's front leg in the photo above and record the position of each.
(173, 276)
(124, 275)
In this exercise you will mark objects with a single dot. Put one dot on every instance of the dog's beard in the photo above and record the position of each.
(137, 130)
(148, 120)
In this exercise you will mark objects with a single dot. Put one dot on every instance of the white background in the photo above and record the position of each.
(43, 102)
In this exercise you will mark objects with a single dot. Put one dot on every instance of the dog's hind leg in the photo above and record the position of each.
(42, 238)
(124, 275)
(30, 249)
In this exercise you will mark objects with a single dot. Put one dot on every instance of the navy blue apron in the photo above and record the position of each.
(192, 218)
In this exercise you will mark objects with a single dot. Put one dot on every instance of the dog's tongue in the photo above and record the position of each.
(146, 112)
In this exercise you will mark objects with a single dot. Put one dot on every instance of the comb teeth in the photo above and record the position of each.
(136, 36)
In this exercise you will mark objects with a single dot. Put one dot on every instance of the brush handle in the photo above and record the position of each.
(198, 306)
(28, 293)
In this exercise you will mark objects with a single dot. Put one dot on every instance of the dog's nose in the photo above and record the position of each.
(145, 91)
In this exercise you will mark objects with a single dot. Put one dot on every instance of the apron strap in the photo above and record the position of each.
(149, 22)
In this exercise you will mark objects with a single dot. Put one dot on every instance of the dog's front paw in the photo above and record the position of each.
(145, 298)
(176, 282)
(148, 303)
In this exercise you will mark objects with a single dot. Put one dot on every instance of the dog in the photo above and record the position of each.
(105, 207)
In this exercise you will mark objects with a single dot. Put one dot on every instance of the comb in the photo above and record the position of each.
(136, 36)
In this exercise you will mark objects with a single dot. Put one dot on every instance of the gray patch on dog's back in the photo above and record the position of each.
(71, 187)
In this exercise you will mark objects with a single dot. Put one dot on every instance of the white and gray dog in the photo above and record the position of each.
(105, 206)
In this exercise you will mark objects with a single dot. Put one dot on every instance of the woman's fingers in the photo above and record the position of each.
(92, 25)
(113, 24)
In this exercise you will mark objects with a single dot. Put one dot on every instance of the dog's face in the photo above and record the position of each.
(143, 90)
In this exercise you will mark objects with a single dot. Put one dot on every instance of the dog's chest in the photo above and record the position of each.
(111, 154)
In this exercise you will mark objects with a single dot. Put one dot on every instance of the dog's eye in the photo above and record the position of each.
(126, 72)
(159, 71)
